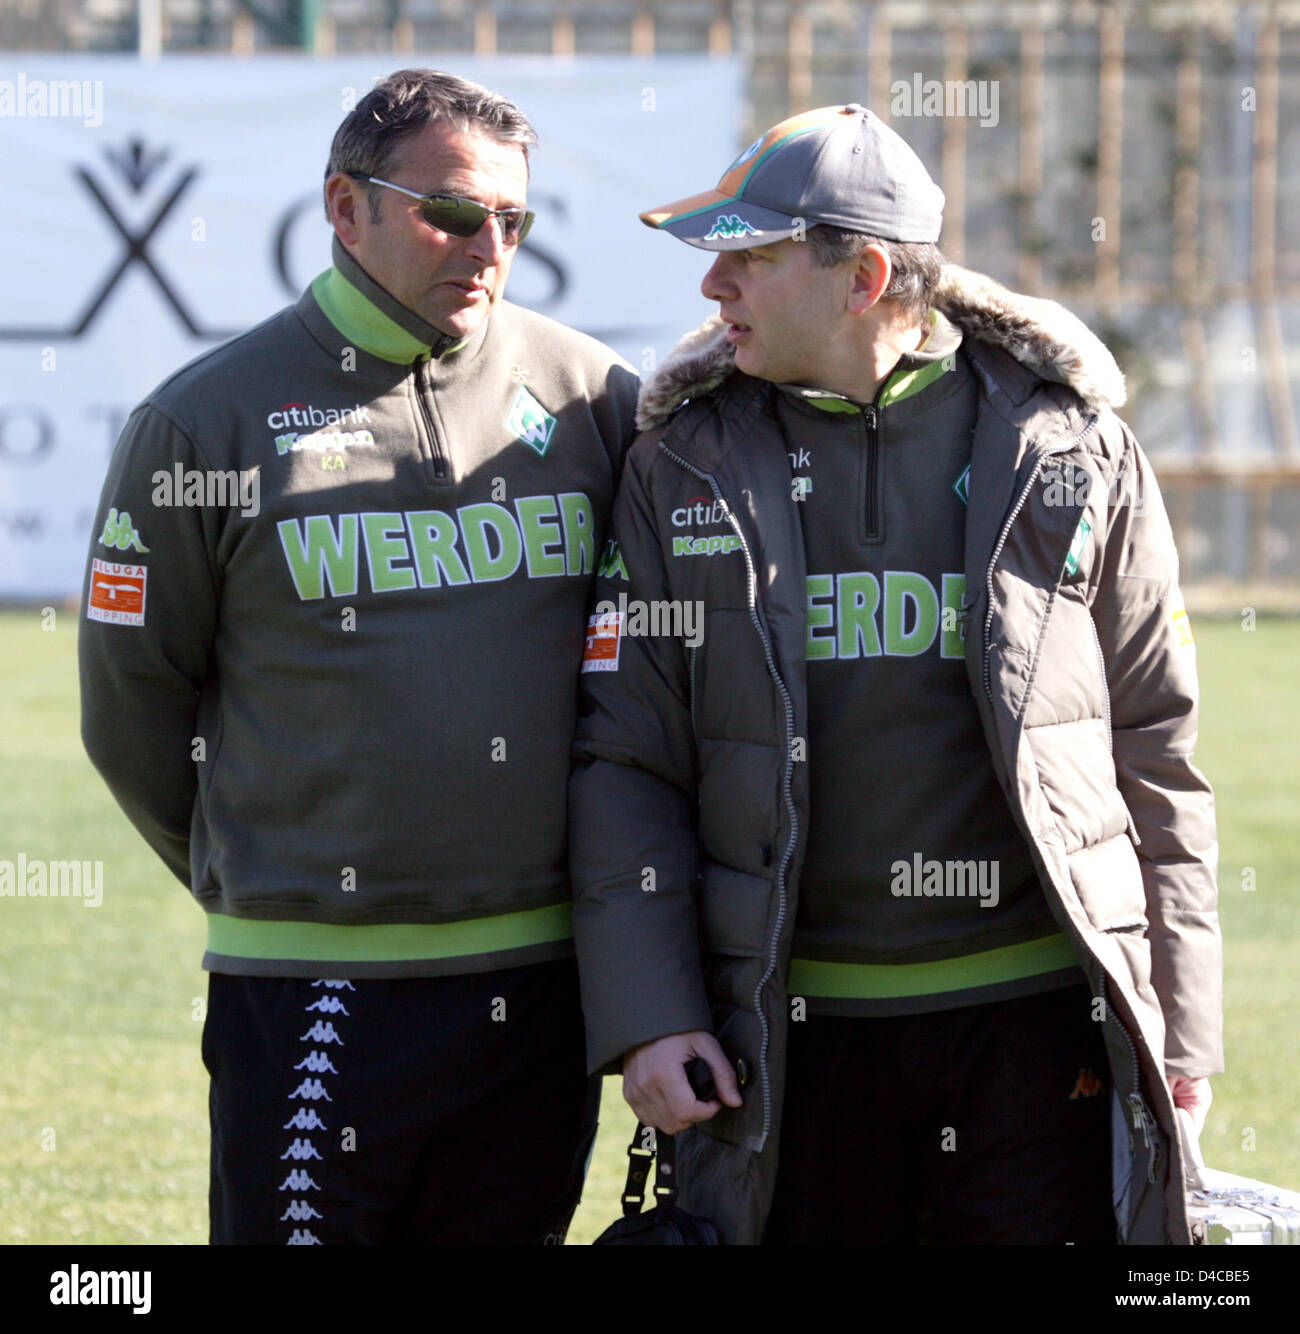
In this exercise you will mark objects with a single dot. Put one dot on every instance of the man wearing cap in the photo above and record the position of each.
(342, 715)
(909, 850)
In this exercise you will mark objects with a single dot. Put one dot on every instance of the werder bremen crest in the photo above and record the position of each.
(528, 420)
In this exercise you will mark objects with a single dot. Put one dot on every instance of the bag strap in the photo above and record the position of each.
(649, 1144)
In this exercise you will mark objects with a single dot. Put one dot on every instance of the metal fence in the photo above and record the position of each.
(1130, 159)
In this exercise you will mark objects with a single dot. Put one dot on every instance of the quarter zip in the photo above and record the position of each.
(764, 1074)
(871, 506)
(692, 652)
(421, 368)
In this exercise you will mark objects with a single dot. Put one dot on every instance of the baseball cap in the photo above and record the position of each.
(839, 165)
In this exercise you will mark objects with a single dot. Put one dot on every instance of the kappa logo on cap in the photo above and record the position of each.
(727, 226)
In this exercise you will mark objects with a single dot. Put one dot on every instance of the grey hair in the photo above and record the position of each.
(404, 104)
(913, 265)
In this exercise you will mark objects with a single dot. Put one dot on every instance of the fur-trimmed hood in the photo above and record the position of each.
(1041, 334)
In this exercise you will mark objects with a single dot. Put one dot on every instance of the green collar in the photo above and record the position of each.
(367, 315)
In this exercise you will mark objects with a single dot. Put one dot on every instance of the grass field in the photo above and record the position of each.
(103, 1110)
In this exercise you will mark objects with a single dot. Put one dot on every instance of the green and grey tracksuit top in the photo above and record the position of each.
(332, 625)
(918, 892)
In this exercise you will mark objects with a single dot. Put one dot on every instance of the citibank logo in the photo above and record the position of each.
(699, 510)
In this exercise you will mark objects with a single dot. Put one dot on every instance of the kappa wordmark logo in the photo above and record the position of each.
(136, 165)
(332, 431)
(718, 544)
(703, 510)
(729, 227)
(530, 422)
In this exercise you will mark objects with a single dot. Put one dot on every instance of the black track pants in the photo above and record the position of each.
(423, 1110)
(989, 1124)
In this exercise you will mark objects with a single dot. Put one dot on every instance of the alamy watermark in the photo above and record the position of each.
(212, 488)
(923, 878)
(1069, 485)
(75, 1286)
(976, 99)
(635, 618)
(69, 99)
(31, 878)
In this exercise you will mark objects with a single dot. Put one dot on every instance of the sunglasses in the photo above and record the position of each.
(461, 217)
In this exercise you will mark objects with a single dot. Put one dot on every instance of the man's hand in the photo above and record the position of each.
(656, 1088)
(1193, 1096)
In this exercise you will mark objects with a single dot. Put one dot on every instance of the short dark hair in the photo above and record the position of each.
(914, 265)
(403, 105)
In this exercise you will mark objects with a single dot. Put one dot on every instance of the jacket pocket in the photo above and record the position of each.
(1108, 880)
(733, 911)
(740, 1036)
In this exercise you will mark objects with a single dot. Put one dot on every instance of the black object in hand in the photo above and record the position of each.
(700, 1078)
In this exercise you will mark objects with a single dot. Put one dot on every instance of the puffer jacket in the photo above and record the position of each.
(689, 798)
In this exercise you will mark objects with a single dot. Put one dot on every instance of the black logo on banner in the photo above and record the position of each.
(135, 164)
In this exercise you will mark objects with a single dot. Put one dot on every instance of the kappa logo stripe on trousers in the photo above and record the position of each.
(408, 1111)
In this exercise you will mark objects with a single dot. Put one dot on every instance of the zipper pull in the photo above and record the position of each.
(968, 601)
(1145, 1122)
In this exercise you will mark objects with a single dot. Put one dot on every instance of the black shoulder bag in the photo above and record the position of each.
(665, 1224)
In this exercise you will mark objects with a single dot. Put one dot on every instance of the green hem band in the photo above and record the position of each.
(250, 938)
(870, 981)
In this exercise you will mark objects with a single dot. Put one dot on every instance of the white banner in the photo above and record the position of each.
(154, 210)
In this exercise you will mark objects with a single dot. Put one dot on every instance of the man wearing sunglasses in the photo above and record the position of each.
(342, 714)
